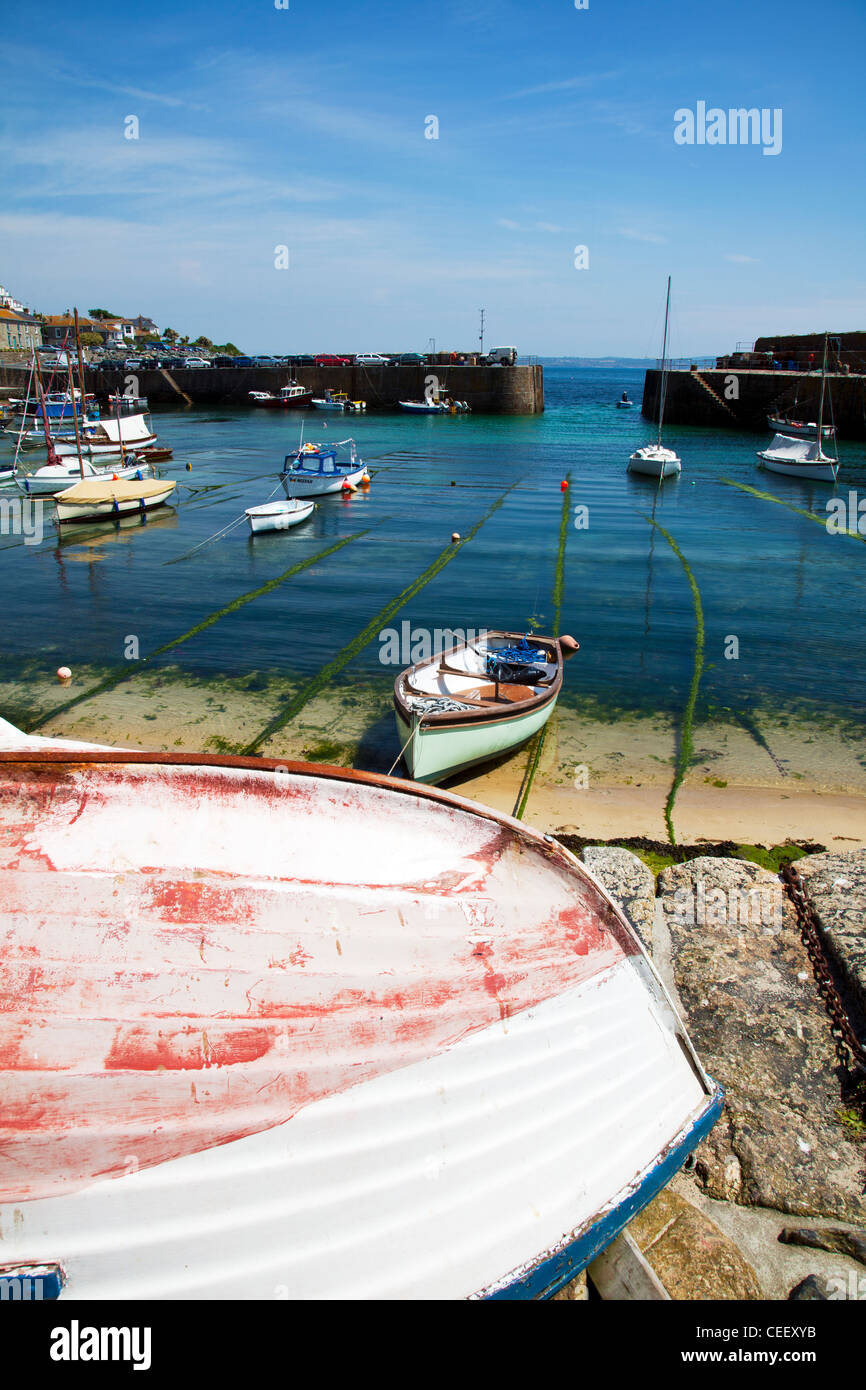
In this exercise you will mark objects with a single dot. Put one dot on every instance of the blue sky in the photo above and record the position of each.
(305, 127)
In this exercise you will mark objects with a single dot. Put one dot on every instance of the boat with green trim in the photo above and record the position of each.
(476, 701)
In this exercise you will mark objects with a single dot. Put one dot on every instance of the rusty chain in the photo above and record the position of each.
(849, 1050)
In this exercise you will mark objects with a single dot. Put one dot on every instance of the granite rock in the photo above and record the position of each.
(688, 1252)
(629, 882)
(745, 984)
(813, 1289)
(835, 884)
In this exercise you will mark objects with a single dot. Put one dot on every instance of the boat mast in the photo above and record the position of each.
(821, 406)
(664, 363)
(52, 456)
(72, 396)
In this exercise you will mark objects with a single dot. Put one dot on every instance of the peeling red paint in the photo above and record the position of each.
(161, 1010)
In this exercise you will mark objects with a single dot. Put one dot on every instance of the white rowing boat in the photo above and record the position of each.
(272, 1026)
(279, 516)
(475, 701)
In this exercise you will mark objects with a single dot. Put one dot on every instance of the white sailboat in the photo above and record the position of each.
(653, 460)
(804, 457)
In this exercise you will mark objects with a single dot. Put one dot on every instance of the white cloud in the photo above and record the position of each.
(638, 234)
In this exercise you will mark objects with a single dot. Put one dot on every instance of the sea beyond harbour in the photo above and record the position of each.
(782, 601)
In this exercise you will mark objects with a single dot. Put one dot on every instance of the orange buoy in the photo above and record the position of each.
(64, 675)
(568, 645)
(563, 486)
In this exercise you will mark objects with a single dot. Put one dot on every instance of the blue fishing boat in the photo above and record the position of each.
(315, 469)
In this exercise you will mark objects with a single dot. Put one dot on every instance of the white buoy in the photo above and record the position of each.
(64, 675)
(455, 535)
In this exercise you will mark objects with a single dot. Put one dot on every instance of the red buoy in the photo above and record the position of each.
(563, 486)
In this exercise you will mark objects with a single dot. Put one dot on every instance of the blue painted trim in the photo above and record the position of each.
(559, 1269)
(30, 1283)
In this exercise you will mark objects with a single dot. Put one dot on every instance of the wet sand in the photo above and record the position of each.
(783, 777)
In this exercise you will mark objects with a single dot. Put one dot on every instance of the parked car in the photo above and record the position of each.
(326, 359)
(303, 359)
(242, 361)
(197, 362)
(133, 364)
(371, 359)
(411, 359)
(264, 362)
(504, 356)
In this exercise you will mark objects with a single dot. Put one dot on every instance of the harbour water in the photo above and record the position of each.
(783, 601)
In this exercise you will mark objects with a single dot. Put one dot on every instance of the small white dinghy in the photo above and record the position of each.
(279, 516)
(270, 1026)
(475, 701)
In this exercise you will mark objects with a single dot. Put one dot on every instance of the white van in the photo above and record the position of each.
(507, 356)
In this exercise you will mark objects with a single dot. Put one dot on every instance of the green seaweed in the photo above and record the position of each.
(332, 668)
(686, 753)
(128, 670)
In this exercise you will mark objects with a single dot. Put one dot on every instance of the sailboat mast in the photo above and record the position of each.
(823, 387)
(72, 397)
(664, 363)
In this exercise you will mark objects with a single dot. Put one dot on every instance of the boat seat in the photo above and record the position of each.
(446, 670)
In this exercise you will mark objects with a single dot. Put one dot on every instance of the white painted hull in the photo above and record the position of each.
(278, 516)
(97, 451)
(108, 510)
(299, 484)
(422, 408)
(48, 481)
(437, 753)
(812, 471)
(435, 1064)
(799, 429)
(652, 462)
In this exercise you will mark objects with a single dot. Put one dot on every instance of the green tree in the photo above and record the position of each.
(203, 342)
(90, 339)
(100, 314)
(169, 335)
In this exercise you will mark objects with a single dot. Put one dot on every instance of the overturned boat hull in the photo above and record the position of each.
(234, 1063)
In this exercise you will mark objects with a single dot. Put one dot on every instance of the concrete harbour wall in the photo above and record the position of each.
(488, 390)
(704, 398)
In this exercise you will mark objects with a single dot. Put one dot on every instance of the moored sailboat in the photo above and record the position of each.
(804, 457)
(653, 460)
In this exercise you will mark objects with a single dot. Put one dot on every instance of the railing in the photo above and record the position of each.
(682, 364)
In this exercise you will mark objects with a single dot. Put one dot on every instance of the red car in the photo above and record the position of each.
(326, 359)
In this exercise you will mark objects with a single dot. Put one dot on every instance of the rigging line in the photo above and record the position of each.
(217, 534)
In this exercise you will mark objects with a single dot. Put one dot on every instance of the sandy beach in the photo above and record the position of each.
(603, 778)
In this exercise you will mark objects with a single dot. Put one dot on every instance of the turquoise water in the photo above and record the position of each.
(792, 594)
